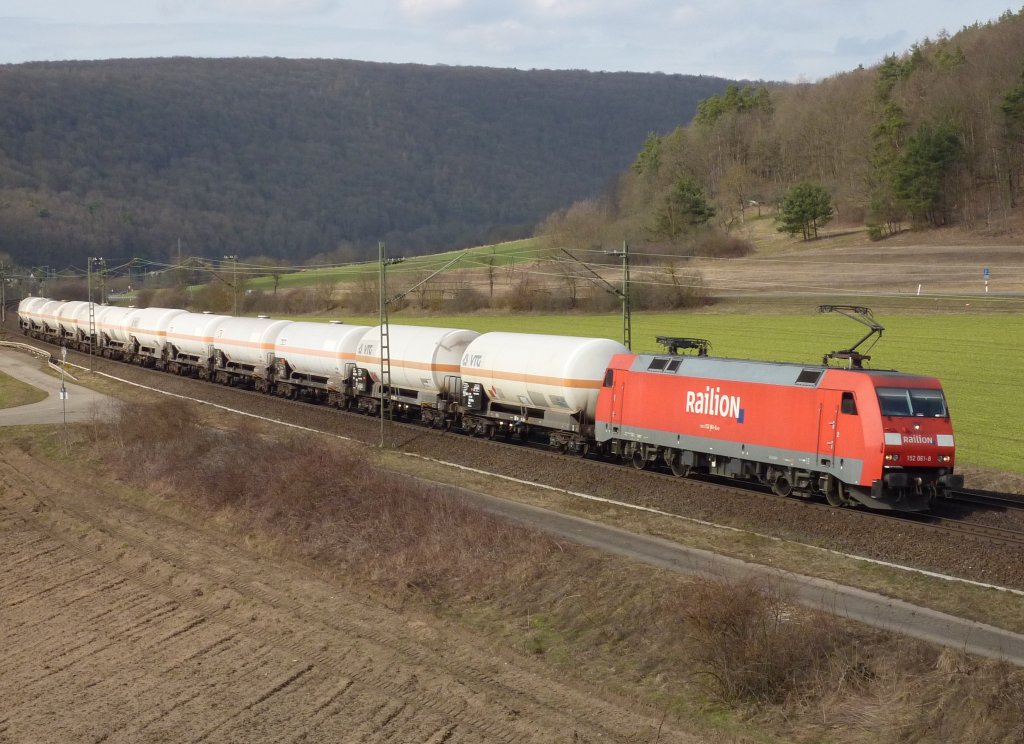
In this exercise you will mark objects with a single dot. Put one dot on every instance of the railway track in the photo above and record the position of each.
(999, 535)
(644, 497)
(987, 499)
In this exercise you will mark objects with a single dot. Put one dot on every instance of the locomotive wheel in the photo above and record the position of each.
(834, 495)
(639, 460)
(782, 486)
(678, 468)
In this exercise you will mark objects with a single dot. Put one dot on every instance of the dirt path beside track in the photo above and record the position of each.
(123, 624)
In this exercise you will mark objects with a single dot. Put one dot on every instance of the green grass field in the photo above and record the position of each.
(977, 357)
(16, 393)
(502, 255)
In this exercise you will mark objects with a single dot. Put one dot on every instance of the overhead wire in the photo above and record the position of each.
(713, 274)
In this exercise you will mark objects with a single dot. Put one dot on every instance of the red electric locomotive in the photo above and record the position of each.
(878, 438)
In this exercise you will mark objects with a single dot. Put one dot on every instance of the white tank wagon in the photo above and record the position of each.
(244, 347)
(424, 365)
(521, 380)
(66, 315)
(48, 314)
(112, 329)
(190, 340)
(28, 313)
(146, 330)
(81, 325)
(318, 359)
(66, 321)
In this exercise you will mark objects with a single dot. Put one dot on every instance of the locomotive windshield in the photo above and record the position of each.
(912, 402)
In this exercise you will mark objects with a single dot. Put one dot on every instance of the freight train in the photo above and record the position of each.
(855, 437)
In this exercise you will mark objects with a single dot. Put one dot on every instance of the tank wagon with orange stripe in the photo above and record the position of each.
(29, 320)
(67, 316)
(243, 350)
(425, 371)
(190, 350)
(317, 360)
(521, 384)
(145, 331)
(47, 314)
(111, 339)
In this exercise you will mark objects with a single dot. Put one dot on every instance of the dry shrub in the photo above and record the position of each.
(466, 300)
(153, 441)
(919, 695)
(525, 296)
(363, 296)
(675, 290)
(144, 297)
(170, 297)
(328, 501)
(752, 645)
(721, 245)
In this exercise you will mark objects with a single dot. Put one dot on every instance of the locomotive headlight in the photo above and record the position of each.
(944, 458)
(892, 457)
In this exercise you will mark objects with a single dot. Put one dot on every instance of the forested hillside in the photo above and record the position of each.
(929, 138)
(297, 158)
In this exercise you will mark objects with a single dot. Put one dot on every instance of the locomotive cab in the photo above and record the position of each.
(918, 448)
(897, 427)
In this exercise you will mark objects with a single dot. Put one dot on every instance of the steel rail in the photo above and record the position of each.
(936, 524)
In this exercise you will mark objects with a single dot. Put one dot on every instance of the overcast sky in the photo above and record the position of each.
(772, 40)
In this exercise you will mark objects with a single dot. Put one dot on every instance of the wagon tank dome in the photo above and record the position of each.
(561, 373)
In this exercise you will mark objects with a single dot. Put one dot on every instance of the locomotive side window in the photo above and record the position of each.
(849, 405)
(609, 377)
(912, 402)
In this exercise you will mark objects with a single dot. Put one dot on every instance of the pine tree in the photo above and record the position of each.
(805, 208)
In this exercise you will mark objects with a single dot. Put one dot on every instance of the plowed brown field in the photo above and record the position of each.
(122, 623)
